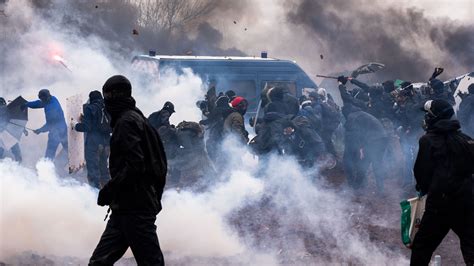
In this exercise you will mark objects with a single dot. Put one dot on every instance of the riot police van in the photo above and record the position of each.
(247, 76)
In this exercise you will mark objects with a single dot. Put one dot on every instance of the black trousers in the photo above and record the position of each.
(435, 225)
(96, 162)
(356, 168)
(135, 231)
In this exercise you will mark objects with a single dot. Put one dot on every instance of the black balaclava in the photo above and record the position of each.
(95, 96)
(276, 94)
(117, 92)
(231, 94)
(436, 110)
(169, 106)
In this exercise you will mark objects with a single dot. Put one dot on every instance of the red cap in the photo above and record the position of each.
(236, 101)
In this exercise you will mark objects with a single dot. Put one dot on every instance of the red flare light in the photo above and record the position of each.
(58, 58)
(61, 61)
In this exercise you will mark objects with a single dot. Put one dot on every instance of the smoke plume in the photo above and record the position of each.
(408, 42)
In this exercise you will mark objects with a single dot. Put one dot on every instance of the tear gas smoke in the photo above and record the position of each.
(51, 215)
(183, 90)
(58, 216)
(45, 214)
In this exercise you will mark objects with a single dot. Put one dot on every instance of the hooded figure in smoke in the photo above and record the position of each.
(365, 144)
(161, 122)
(281, 96)
(440, 92)
(192, 165)
(330, 116)
(162, 117)
(443, 171)
(96, 123)
(55, 122)
(138, 173)
(408, 119)
(215, 125)
(379, 101)
(269, 131)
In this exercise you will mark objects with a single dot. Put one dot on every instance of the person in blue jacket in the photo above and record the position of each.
(55, 122)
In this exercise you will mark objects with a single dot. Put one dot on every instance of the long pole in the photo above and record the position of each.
(20, 125)
(324, 76)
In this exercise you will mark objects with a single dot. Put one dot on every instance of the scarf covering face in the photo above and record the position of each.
(118, 105)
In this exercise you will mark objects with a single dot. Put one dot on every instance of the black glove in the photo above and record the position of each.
(105, 196)
(37, 131)
(342, 79)
(437, 72)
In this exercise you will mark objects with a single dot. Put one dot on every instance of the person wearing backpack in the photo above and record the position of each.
(96, 123)
(444, 172)
(138, 170)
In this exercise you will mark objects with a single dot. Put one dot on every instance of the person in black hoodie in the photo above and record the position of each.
(269, 131)
(365, 143)
(444, 171)
(96, 124)
(138, 174)
(440, 92)
(409, 128)
(215, 125)
(162, 117)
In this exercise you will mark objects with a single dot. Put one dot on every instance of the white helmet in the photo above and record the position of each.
(323, 93)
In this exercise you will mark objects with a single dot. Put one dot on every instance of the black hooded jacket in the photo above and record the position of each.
(444, 165)
(363, 129)
(137, 166)
(269, 133)
(160, 118)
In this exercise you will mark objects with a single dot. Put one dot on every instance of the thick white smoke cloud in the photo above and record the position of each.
(46, 214)
(51, 215)
(309, 205)
(196, 222)
(182, 90)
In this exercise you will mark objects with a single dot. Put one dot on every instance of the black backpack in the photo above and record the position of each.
(104, 121)
(156, 158)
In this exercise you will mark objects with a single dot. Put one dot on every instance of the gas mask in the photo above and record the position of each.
(429, 120)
